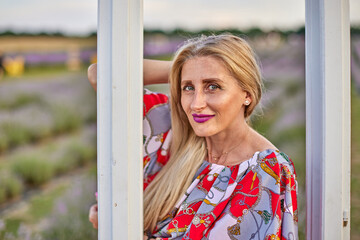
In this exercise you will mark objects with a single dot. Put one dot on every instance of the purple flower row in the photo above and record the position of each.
(37, 58)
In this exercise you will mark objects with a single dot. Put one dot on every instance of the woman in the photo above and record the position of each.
(208, 174)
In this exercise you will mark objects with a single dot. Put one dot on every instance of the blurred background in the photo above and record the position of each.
(48, 109)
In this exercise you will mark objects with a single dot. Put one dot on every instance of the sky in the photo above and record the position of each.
(79, 17)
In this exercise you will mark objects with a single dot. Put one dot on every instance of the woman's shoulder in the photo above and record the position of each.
(275, 160)
(267, 152)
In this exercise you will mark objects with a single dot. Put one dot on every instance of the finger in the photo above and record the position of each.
(92, 75)
(93, 213)
(94, 222)
(95, 225)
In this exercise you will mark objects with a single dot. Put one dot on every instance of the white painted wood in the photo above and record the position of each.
(120, 181)
(104, 120)
(327, 118)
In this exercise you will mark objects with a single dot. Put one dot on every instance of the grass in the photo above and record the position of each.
(58, 212)
(41, 206)
(355, 165)
(20, 44)
(38, 207)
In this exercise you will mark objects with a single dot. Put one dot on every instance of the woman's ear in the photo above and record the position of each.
(248, 98)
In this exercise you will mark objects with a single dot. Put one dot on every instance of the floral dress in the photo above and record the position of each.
(256, 199)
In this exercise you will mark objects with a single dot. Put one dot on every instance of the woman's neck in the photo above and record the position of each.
(226, 142)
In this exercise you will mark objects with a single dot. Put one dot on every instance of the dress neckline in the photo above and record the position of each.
(254, 156)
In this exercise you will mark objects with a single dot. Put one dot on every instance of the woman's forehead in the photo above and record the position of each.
(199, 68)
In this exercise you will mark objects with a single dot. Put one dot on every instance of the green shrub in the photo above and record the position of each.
(15, 188)
(82, 153)
(64, 164)
(34, 170)
(20, 101)
(10, 186)
(39, 131)
(74, 154)
(14, 134)
(2, 195)
(4, 144)
(65, 119)
(24, 99)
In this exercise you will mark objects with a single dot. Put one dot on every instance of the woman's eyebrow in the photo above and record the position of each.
(211, 80)
(205, 80)
(184, 82)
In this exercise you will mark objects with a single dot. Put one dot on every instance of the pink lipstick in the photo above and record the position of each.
(200, 118)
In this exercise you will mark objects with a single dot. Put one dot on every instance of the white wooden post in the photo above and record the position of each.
(120, 181)
(328, 119)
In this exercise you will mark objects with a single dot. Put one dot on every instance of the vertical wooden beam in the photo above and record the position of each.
(120, 44)
(328, 119)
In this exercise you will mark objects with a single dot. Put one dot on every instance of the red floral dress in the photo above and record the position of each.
(256, 199)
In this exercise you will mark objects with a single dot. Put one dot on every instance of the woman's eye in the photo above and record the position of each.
(213, 87)
(188, 88)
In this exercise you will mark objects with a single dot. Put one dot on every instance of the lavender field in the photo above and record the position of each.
(48, 138)
(47, 157)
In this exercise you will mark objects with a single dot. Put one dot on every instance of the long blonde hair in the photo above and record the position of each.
(188, 151)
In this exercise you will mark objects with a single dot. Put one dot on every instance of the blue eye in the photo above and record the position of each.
(213, 87)
(188, 88)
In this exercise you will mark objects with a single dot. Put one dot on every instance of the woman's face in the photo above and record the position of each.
(211, 98)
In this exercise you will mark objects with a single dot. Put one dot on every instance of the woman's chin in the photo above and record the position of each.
(203, 133)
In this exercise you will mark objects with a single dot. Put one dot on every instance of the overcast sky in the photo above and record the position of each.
(80, 16)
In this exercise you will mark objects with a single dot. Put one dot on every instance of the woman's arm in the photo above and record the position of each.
(154, 71)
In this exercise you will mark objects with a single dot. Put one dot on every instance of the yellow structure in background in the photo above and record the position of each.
(93, 58)
(14, 66)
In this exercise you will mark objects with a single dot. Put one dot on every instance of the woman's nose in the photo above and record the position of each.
(198, 102)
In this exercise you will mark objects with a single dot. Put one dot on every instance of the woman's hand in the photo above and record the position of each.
(92, 75)
(154, 72)
(93, 215)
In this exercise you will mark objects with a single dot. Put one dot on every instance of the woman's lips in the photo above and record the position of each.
(200, 118)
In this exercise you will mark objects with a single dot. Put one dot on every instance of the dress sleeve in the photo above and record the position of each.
(289, 206)
(156, 133)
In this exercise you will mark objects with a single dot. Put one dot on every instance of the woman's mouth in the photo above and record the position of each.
(200, 118)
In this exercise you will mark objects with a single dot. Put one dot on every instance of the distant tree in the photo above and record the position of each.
(7, 33)
(93, 34)
(355, 30)
(255, 31)
(301, 30)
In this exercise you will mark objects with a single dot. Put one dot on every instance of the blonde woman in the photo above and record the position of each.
(208, 174)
